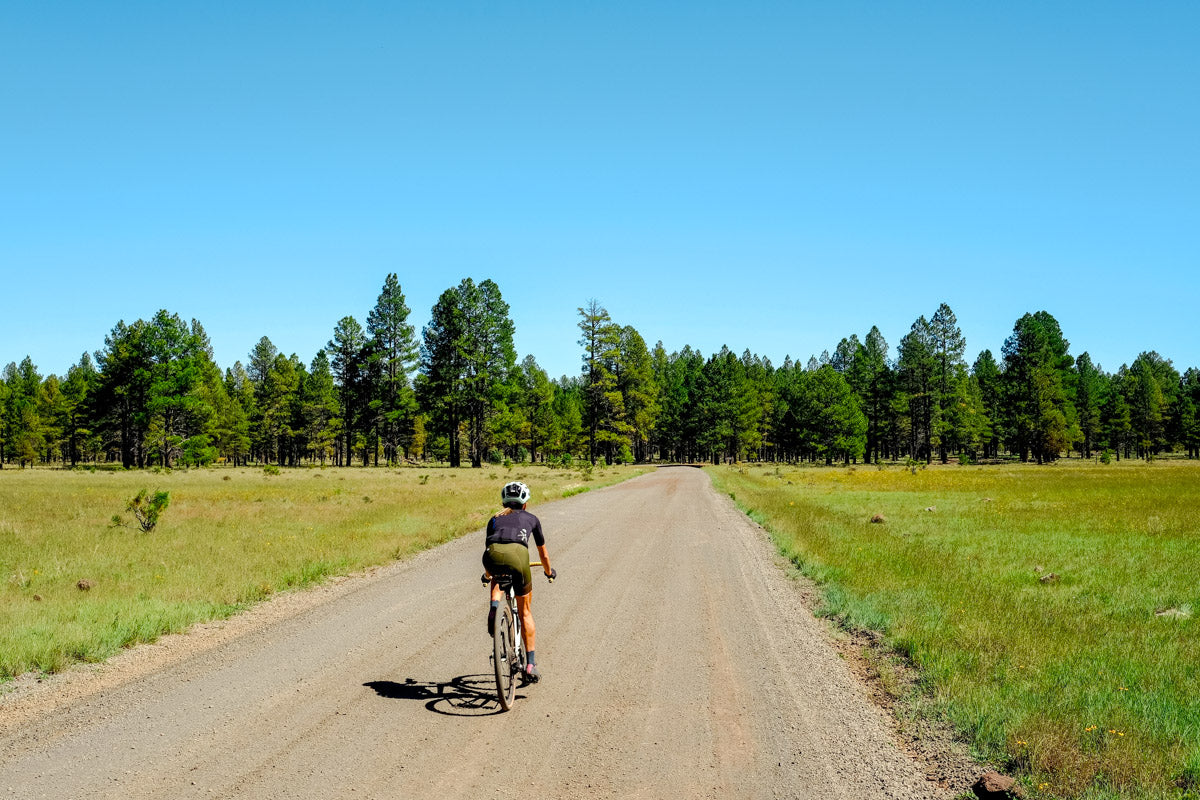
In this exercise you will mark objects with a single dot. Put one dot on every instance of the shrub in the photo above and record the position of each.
(146, 509)
(271, 469)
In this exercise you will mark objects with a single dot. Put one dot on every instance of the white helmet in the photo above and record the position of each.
(514, 495)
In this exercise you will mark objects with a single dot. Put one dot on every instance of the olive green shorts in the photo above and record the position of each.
(513, 558)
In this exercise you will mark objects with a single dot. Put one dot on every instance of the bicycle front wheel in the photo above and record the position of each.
(504, 658)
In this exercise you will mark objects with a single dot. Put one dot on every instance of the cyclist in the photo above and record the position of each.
(507, 550)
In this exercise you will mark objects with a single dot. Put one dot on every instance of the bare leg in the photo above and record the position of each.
(524, 607)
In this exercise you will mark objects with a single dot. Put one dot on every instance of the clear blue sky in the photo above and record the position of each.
(771, 176)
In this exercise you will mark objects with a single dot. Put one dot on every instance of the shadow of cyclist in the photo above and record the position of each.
(464, 696)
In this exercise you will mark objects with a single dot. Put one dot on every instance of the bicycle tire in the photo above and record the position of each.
(504, 658)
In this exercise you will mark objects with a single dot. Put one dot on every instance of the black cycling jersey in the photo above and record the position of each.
(516, 526)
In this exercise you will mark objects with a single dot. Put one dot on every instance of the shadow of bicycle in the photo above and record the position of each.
(464, 696)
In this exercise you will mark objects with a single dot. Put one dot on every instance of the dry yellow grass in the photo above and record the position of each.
(229, 537)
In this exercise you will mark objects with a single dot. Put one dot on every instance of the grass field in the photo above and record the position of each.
(1050, 611)
(228, 538)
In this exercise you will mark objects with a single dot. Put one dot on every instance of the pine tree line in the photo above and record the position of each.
(380, 394)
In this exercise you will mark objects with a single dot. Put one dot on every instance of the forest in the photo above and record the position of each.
(456, 392)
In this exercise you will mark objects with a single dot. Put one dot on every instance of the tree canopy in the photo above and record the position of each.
(153, 395)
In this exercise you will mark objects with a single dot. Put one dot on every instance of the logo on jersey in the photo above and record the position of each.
(523, 535)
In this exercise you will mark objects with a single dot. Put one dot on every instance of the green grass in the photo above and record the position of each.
(1076, 683)
(229, 538)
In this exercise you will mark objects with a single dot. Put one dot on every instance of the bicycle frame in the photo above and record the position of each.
(508, 643)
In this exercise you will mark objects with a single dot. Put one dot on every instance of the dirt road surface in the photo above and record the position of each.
(679, 662)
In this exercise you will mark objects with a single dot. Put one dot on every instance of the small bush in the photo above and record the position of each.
(494, 456)
(1106, 456)
(146, 509)
(271, 469)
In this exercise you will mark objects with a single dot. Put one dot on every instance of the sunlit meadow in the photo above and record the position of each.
(77, 588)
(1050, 611)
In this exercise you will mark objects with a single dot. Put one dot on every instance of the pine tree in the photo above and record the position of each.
(639, 392)
(536, 402)
(569, 431)
(986, 375)
(78, 391)
(1115, 423)
(948, 346)
(443, 365)
(322, 422)
(917, 373)
(468, 365)
(280, 389)
(1190, 411)
(122, 392)
(604, 405)
(5, 433)
(490, 363)
(834, 422)
(1036, 362)
(235, 440)
(347, 361)
(870, 377)
(670, 377)
(760, 404)
(25, 426)
(262, 358)
(1089, 397)
(394, 353)
(1151, 387)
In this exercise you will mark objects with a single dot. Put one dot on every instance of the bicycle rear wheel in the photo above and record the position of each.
(504, 658)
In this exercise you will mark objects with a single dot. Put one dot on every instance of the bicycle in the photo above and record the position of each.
(508, 646)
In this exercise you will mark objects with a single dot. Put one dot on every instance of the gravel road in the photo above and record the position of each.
(679, 661)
